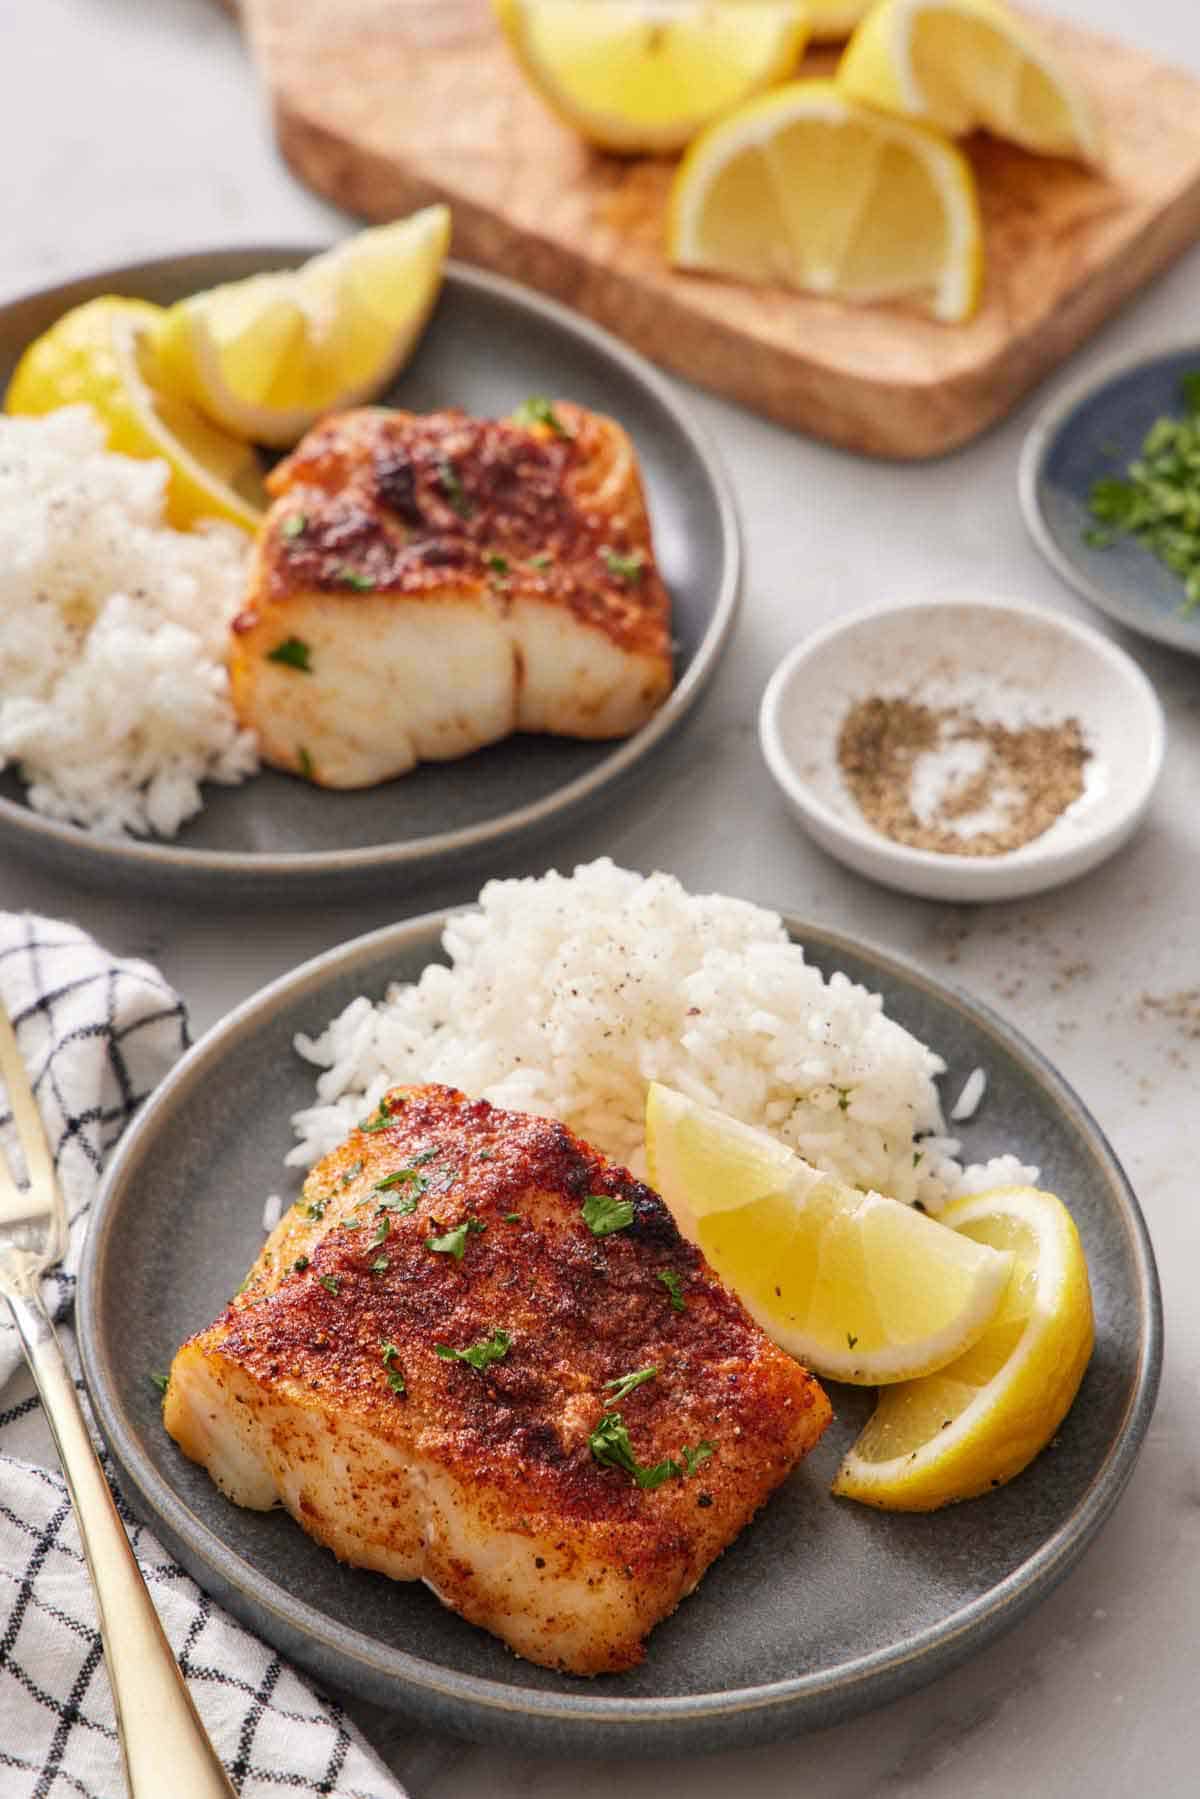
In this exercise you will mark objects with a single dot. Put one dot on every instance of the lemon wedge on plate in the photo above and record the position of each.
(267, 356)
(804, 186)
(980, 1420)
(962, 64)
(644, 75)
(857, 1287)
(102, 355)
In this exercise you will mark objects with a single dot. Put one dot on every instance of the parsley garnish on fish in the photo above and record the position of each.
(293, 525)
(378, 1121)
(316, 1208)
(355, 578)
(161, 1381)
(625, 568)
(381, 1264)
(603, 1215)
(454, 1242)
(381, 1230)
(306, 763)
(499, 565)
(481, 1355)
(293, 652)
(610, 1444)
(350, 1173)
(300, 1264)
(537, 410)
(542, 560)
(452, 487)
(624, 1384)
(331, 1283)
(674, 1286)
(387, 1355)
(511, 1218)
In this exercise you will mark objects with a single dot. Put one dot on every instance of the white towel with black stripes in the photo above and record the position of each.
(97, 1034)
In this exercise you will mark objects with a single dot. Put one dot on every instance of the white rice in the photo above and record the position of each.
(114, 697)
(566, 995)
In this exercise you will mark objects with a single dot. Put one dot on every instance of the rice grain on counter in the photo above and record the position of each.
(567, 995)
(114, 699)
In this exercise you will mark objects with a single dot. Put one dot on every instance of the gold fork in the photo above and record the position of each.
(164, 1743)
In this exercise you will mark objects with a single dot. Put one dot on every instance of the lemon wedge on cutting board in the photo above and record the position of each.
(265, 357)
(644, 75)
(102, 355)
(805, 187)
(959, 65)
(857, 1287)
(978, 1421)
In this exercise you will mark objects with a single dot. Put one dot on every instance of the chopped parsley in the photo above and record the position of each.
(300, 1264)
(381, 1230)
(625, 568)
(1157, 499)
(624, 1384)
(674, 1286)
(542, 560)
(351, 1173)
(293, 525)
(603, 1215)
(331, 1284)
(381, 1264)
(161, 1381)
(378, 1121)
(452, 487)
(610, 1444)
(354, 578)
(498, 564)
(387, 1355)
(293, 652)
(537, 410)
(511, 1218)
(306, 763)
(316, 1208)
(481, 1355)
(692, 1458)
(454, 1242)
(402, 1205)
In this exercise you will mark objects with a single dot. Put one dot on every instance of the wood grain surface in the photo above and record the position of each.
(384, 105)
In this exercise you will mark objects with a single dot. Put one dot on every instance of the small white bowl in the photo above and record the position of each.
(1052, 666)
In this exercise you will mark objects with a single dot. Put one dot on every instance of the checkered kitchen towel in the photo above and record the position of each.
(97, 1034)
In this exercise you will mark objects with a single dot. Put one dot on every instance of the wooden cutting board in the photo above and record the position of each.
(385, 105)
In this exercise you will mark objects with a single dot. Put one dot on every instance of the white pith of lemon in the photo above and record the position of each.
(640, 75)
(806, 187)
(959, 65)
(858, 1287)
(979, 1421)
(101, 354)
(265, 357)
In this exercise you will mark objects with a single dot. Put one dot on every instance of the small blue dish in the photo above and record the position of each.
(1097, 428)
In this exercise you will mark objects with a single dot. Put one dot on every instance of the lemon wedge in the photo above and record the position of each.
(641, 75)
(805, 187)
(267, 356)
(962, 64)
(974, 1424)
(831, 20)
(101, 354)
(857, 1287)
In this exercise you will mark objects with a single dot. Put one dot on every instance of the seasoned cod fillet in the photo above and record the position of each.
(428, 1367)
(424, 585)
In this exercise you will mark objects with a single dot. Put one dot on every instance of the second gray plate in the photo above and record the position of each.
(820, 1610)
(489, 345)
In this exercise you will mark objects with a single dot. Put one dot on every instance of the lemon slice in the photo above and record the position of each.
(806, 187)
(634, 75)
(979, 1421)
(267, 356)
(101, 355)
(962, 64)
(858, 1287)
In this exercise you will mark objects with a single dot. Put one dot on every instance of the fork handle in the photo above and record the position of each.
(165, 1745)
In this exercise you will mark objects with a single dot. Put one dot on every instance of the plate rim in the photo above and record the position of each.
(649, 1724)
(147, 856)
(1047, 425)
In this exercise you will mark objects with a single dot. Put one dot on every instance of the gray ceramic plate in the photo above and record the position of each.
(820, 1610)
(1096, 428)
(490, 344)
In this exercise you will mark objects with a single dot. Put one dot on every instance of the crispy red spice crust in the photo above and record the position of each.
(396, 503)
(483, 1481)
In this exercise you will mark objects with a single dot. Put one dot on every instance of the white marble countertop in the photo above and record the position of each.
(133, 130)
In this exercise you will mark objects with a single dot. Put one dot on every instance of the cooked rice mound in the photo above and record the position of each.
(567, 995)
(114, 699)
